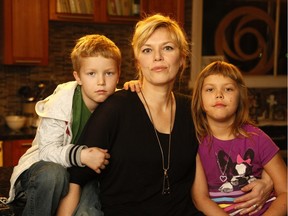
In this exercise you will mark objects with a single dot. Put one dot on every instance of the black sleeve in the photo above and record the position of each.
(86, 175)
(98, 132)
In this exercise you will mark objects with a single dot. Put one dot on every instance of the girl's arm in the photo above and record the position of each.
(200, 193)
(69, 203)
(277, 170)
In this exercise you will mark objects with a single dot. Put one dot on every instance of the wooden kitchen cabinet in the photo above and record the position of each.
(64, 10)
(102, 10)
(24, 32)
(172, 8)
(13, 150)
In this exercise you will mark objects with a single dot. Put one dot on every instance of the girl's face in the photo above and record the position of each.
(159, 59)
(220, 98)
(98, 77)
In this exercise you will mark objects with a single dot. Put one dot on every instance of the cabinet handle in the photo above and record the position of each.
(28, 61)
(26, 144)
(72, 16)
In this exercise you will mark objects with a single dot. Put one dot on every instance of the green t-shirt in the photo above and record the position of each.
(81, 114)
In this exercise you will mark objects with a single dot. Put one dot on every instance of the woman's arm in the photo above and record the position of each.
(200, 193)
(69, 203)
(133, 85)
(260, 191)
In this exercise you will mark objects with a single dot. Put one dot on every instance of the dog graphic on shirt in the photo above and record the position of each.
(238, 173)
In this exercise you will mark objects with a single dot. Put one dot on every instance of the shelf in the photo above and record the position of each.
(272, 123)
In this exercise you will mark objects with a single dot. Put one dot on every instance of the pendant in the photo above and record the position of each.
(223, 178)
(166, 184)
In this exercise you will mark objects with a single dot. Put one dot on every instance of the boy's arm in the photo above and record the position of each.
(52, 147)
(69, 203)
(200, 193)
(95, 158)
(52, 141)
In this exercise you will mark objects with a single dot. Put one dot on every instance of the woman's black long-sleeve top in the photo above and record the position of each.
(132, 182)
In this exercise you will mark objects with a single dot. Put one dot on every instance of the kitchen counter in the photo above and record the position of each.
(8, 134)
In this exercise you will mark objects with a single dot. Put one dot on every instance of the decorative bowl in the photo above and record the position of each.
(15, 122)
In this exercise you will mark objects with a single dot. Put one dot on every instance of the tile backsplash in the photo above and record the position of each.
(62, 37)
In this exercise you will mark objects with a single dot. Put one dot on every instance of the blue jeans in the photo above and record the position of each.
(89, 204)
(42, 186)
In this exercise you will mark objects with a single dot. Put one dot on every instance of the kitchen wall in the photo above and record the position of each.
(62, 36)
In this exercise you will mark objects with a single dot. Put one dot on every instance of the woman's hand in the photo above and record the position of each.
(260, 191)
(133, 85)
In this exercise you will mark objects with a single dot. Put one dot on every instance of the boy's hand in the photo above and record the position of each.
(133, 85)
(95, 158)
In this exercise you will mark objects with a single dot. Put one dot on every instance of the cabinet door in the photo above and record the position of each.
(89, 11)
(13, 150)
(121, 11)
(25, 32)
(172, 8)
(72, 10)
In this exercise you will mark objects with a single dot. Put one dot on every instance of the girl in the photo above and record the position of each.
(233, 151)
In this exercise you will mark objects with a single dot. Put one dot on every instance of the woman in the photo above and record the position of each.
(148, 134)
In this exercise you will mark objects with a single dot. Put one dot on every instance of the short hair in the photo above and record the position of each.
(92, 46)
(242, 114)
(146, 27)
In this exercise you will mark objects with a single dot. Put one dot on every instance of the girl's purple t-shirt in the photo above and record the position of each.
(231, 164)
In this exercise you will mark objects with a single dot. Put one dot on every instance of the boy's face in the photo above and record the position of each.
(98, 77)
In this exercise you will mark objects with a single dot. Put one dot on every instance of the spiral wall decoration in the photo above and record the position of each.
(245, 37)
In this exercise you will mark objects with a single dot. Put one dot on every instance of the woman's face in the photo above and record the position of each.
(159, 59)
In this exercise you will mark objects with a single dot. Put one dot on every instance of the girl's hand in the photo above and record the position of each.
(253, 201)
(133, 85)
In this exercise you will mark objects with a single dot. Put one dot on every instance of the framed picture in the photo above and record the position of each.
(251, 34)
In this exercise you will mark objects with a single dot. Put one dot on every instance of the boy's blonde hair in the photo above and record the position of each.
(92, 46)
(242, 114)
(146, 27)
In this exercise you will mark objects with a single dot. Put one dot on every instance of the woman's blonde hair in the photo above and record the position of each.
(92, 46)
(146, 27)
(199, 116)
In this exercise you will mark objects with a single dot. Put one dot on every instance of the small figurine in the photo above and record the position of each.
(272, 102)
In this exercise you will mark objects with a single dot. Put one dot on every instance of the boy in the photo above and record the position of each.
(40, 178)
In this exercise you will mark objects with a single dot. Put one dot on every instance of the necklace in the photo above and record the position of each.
(223, 176)
(166, 184)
